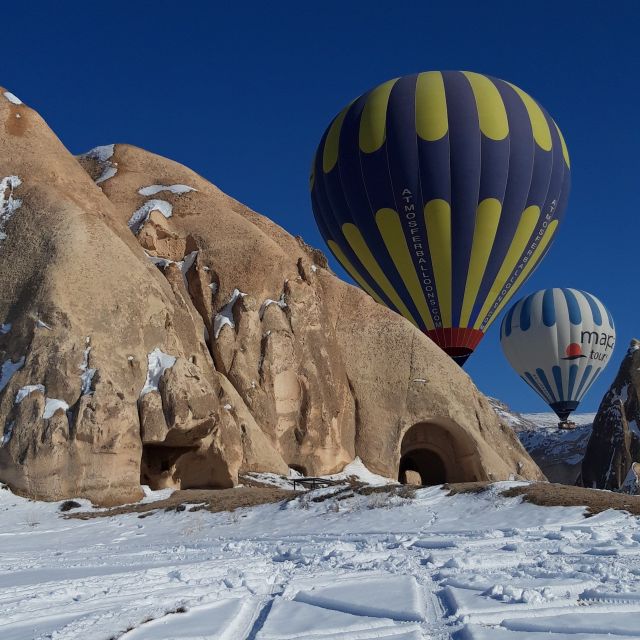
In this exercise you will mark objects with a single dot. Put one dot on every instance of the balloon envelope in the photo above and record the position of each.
(559, 341)
(439, 193)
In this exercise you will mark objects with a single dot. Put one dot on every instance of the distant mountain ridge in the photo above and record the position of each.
(558, 452)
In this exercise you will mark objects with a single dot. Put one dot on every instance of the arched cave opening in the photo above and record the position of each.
(422, 466)
(436, 451)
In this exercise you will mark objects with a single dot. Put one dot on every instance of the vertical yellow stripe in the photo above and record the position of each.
(526, 227)
(484, 235)
(524, 274)
(539, 124)
(388, 222)
(373, 121)
(431, 106)
(491, 111)
(360, 248)
(352, 271)
(437, 217)
(332, 142)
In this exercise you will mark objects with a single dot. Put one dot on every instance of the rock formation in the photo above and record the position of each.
(615, 440)
(154, 329)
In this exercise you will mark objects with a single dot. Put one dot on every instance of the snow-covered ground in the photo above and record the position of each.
(468, 567)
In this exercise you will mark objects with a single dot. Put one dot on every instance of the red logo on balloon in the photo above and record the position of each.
(574, 351)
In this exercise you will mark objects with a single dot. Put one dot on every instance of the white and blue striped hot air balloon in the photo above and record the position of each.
(559, 341)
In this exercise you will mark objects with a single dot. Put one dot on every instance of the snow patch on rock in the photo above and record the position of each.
(12, 98)
(51, 405)
(158, 362)
(225, 316)
(8, 432)
(27, 390)
(103, 156)
(141, 215)
(280, 303)
(8, 204)
(5, 328)
(86, 377)
(41, 324)
(8, 369)
(153, 189)
(184, 265)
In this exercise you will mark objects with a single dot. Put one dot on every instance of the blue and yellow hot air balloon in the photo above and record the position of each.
(439, 193)
(558, 341)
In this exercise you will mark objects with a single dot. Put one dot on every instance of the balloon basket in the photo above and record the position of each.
(567, 425)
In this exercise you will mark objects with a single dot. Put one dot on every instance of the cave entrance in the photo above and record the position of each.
(422, 466)
(437, 451)
(183, 467)
(158, 466)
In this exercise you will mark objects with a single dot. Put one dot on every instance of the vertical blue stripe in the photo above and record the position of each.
(520, 171)
(575, 317)
(610, 318)
(585, 375)
(525, 313)
(543, 378)
(595, 309)
(536, 387)
(349, 200)
(533, 386)
(465, 164)
(557, 376)
(573, 372)
(596, 373)
(548, 309)
(508, 321)
(403, 163)
(330, 225)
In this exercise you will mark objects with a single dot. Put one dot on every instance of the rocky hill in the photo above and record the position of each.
(614, 445)
(155, 330)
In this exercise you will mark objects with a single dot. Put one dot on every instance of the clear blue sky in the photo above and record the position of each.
(242, 96)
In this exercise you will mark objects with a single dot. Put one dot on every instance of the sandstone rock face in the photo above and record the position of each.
(615, 441)
(154, 330)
